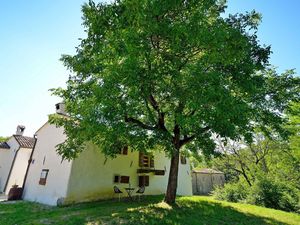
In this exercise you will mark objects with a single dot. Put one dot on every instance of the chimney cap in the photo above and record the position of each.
(60, 108)
(20, 130)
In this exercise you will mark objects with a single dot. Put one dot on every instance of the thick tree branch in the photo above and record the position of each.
(154, 103)
(139, 123)
(161, 115)
(186, 139)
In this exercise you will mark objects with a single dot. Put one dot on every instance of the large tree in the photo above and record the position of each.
(169, 75)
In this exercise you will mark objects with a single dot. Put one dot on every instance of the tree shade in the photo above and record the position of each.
(168, 75)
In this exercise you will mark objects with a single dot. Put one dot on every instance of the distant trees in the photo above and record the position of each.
(269, 167)
(274, 157)
(3, 139)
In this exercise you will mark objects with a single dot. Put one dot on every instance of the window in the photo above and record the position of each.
(121, 179)
(124, 179)
(43, 177)
(183, 159)
(146, 160)
(124, 150)
(117, 179)
(143, 181)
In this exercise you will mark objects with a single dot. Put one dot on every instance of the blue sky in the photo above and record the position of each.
(34, 34)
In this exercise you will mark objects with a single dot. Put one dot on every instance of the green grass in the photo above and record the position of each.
(189, 210)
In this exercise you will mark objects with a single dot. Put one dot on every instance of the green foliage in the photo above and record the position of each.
(169, 73)
(270, 167)
(265, 192)
(271, 193)
(233, 192)
(3, 139)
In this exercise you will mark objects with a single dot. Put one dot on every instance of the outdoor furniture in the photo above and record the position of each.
(129, 191)
(117, 191)
(141, 191)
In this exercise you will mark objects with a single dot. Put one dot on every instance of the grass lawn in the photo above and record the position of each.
(189, 210)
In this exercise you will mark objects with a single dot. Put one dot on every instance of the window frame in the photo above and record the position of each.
(114, 178)
(43, 179)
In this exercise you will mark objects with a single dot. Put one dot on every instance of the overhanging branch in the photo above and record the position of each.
(139, 123)
(188, 139)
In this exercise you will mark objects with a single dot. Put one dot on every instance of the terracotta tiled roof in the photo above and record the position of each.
(25, 142)
(206, 170)
(4, 145)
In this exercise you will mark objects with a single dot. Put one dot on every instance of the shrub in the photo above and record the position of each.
(233, 192)
(273, 194)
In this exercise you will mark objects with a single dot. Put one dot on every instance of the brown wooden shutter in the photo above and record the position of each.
(42, 181)
(141, 159)
(125, 150)
(43, 177)
(151, 161)
(146, 179)
(143, 181)
(124, 179)
(146, 161)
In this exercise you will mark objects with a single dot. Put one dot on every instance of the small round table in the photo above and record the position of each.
(129, 192)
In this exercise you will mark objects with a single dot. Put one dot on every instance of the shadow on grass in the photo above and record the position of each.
(150, 211)
(186, 212)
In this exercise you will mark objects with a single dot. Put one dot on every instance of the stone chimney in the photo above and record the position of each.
(20, 130)
(60, 108)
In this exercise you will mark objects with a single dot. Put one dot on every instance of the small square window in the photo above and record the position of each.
(117, 179)
(43, 177)
(124, 179)
(183, 159)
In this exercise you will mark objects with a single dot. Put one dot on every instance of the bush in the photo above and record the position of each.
(265, 192)
(233, 192)
(273, 194)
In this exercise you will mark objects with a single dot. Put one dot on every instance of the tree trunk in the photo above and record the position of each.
(173, 179)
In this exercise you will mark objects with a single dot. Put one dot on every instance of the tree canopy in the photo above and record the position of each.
(167, 74)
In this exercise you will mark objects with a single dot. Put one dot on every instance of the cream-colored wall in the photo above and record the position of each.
(57, 181)
(92, 176)
(6, 159)
(19, 168)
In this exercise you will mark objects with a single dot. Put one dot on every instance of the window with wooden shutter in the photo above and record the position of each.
(43, 177)
(146, 160)
(151, 161)
(141, 159)
(123, 151)
(124, 179)
(143, 181)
